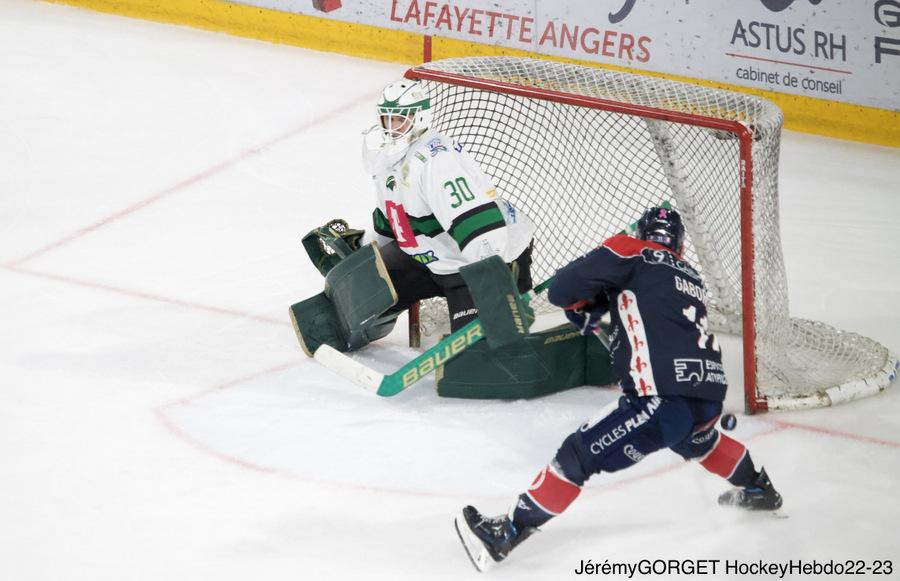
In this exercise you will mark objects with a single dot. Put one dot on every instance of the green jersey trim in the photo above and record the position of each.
(381, 224)
(426, 225)
(470, 225)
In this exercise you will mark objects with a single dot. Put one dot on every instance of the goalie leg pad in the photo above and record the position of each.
(503, 314)
(352, 311)
(539, 364)
(362, 293)
(316, 323)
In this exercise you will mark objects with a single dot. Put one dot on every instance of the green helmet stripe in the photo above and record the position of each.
(423, 104)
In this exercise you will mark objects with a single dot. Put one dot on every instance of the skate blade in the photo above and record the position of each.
(479, 556)
(778, 513)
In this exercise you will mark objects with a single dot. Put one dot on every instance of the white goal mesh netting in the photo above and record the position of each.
(585, 169)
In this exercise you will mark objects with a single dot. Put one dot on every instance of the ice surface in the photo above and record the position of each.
(158, 420)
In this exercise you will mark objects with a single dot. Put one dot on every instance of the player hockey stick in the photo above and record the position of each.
(387, 385)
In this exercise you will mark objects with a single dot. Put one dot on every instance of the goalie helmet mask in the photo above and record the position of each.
(663, 226)
(404, 113)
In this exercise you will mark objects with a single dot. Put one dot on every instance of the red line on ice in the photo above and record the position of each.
(148, 296)
(187, 182)
(836, 433)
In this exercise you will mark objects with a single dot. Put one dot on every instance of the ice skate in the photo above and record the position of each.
(488, 540)
(759, 495)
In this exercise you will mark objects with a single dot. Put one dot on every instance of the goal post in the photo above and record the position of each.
(583, 151)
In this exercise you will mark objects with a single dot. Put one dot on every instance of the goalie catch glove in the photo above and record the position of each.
(331, 243)
(585, 315)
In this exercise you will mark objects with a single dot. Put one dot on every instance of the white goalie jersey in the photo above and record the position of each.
(443, 210)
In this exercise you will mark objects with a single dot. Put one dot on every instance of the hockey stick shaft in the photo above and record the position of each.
(387, 385)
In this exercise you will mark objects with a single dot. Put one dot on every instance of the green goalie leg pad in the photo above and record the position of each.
(539, 364)
(352, 311)
(316, 323)
(362, 291)
(503, 314)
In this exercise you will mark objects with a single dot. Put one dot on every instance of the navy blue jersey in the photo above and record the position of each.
(659, 340)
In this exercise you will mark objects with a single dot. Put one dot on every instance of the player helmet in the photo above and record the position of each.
(663, 226)
(404, 111)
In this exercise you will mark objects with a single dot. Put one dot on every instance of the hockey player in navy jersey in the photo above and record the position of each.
(670, 370)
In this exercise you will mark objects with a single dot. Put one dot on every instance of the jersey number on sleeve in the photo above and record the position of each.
(459, 191)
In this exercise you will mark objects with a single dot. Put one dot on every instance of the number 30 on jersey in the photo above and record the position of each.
(459, 192)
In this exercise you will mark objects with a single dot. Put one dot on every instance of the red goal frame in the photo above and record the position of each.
(752, 400)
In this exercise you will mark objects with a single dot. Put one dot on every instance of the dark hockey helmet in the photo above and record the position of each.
(663, 226)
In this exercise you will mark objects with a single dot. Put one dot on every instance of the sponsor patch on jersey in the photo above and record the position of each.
(615, 434)
(632, 453)
(435, 146)
(425, 257)
(688, 370)
(421, 157)
(697, 370)
(510, 209)
(403, 231)
(653, 256)
(391, 183)
(703, 437)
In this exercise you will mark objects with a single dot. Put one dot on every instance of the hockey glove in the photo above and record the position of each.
(331, 243)
(585, 315)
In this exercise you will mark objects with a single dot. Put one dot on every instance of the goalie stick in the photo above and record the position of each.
(387, 385)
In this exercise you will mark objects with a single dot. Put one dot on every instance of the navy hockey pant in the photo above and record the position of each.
(622, 435)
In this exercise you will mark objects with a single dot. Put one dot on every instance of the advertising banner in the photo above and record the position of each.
(842, 50)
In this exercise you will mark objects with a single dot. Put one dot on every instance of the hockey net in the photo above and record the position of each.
(584, 151)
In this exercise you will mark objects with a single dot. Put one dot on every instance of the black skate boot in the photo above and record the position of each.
(488, 540)
(759, 495)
